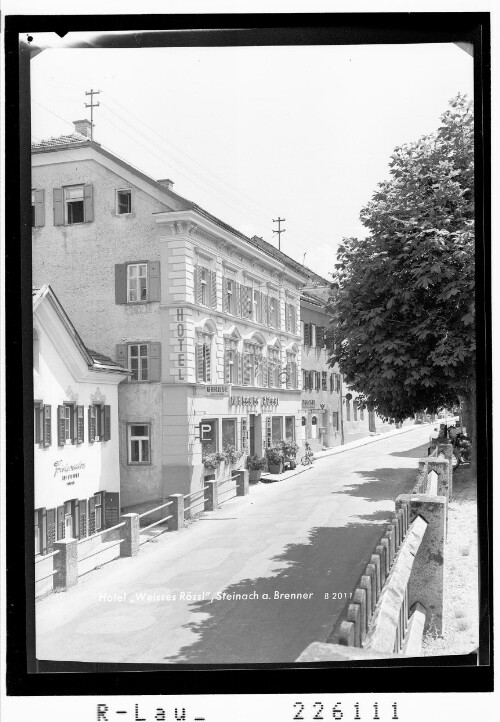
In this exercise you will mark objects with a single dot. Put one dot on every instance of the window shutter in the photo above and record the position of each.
(155, 361)
(293, 319)
(320, 336)
(196, 285)
(92, 424)
(227, 378)
(51, 530)
(199, 362)
(206, 352)
(112, 509)
(153, 281)
(198, 270)
(39, 207)
(247, 369)
(307, 334)
(58, 204)
(213, 289)
(120, 283)
(74, 424)
(79, 425)
(287, 317)
(88, 203)
(121, 355)
(237, 293)
(225, 300)
(47, 425)
(107, 423)
(264, 376)
(91, 515)
(82, 518)
(43, 522)
(288, 375)
(259, 308)
(238, 363)
(265, 309)
(60, 522)
(60, 426)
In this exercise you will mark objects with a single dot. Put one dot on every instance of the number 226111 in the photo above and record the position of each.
(320, 711)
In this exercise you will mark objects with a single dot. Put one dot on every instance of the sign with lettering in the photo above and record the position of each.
(68, 473)
(243, 400)
(179, 346)
(308, 402)
(269, 432)
(217, 390)
(270, 401)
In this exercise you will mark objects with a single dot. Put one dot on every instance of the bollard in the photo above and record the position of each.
(130, 535)
(354, 616)
(376, 562)
(177, 511)
(242, 484)
(366, 584)
(360, 600)
(384, 542)
(346, 634)
(66, 564)
(211, 496)
(381, 552)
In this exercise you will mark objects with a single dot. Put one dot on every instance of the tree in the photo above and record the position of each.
(402, 299)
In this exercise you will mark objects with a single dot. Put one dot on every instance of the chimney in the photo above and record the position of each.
(167, 183)
(82, 127)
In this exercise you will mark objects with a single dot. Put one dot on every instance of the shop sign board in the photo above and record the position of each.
(217, 390)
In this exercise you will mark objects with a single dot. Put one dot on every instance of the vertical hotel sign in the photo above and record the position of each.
(180, 346)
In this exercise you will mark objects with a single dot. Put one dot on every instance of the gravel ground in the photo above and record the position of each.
(461, 615)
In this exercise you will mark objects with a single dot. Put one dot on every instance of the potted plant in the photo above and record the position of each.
(255, 464)
(275, 458)
(232, 455)
(290, 449)
(212, 461)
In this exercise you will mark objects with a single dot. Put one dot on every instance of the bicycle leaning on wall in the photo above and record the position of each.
(308, 457)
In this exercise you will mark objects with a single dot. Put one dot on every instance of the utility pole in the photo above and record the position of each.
(279, 231)
(92, 105)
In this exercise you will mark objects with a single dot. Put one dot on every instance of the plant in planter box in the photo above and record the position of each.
(290, 448)
(211, 461)
(275, 457)
(232, 455)
(255, 464)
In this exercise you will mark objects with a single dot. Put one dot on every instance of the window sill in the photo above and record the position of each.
(139, 463)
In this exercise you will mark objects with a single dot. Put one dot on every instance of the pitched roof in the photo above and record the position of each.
(59, 141)
(100, 359)
(79, 140)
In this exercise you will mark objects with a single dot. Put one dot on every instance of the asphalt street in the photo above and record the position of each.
(177, 601)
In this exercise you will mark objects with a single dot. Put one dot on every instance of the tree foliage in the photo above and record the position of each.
(402, 300)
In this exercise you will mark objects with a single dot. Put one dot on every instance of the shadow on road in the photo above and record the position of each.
(266, 629)
(417, 453)
(381, 484)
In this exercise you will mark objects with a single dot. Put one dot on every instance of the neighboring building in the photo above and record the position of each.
(332, 414)
(321, 384)
(206, 319)
(77, 472)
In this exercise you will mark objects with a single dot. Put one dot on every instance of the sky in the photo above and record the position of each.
(256, 133)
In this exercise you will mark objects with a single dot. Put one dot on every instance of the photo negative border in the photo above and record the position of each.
(25, 674)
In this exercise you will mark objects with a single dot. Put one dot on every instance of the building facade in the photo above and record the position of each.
(206, 319)
(76, 459)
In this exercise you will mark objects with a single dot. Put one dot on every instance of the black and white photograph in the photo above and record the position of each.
(258, 430)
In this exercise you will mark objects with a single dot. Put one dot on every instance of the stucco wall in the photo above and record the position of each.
(54, 382)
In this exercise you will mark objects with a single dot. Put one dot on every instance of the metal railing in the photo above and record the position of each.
(44, 558)
(222, 482)
(196, 502)
(155, 523)
(107, 545)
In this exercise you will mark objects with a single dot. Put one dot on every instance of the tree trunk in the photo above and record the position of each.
(469, 420)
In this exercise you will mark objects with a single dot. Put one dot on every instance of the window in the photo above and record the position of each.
(317, 380)
(314, 427)
(335, 420)
(208, 436)
(39, 545)
(320, 336)
(98, 512)
(205, 286)
(38, 421)
(304, 421)
(274, 319)
(257, 306)
(123, 201)
(324, 376)
(290, 318)
(290, 428)
(307, 335)
(291, 371)
(137, 282)
(232, 362)
(66, 427)
(246, 301)
(37, 208)
(253, 366)
(273, 367)
(305, 379)
(332, 383)
(139, 451)
(203, 361)
(313, 334)
(277, 429)
(73, 204)
(355, 410)
(138, 361)
(338, 381)
(228, 433)
(99, 423)
(232, 298)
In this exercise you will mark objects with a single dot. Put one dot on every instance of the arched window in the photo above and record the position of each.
(304, 421)
(314, 427)
(273, 365)
(203, 351)
(254, 364)
(292, 376)
(232, 357)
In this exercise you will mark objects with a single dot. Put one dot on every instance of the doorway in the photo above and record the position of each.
(251, 434)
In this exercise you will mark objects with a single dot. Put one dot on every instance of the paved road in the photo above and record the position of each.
(310, 534)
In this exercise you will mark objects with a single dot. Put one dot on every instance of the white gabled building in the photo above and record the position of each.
(76, 460)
